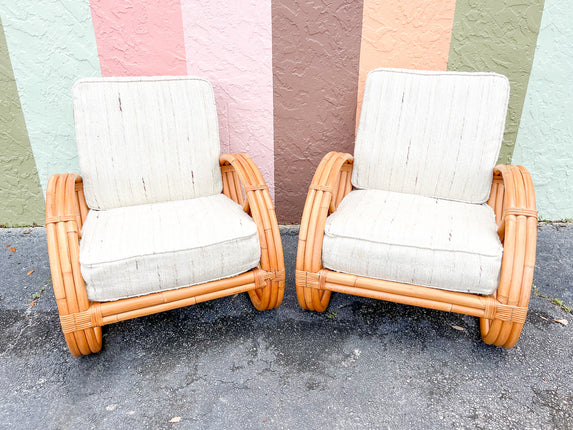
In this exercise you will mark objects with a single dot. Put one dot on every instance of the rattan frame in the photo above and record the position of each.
(501, 314)
(81, 319)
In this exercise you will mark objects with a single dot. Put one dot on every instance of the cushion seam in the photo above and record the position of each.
(168, 252)
(332, 236)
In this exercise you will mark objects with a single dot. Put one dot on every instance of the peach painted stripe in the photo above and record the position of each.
(409, 34)
(230, 44)
(141, 38)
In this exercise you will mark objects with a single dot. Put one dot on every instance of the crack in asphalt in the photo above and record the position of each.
(553, 301)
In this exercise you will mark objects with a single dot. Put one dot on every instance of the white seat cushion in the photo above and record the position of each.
(137, 250)
(436, 134)
(146, 140)
(414, 240)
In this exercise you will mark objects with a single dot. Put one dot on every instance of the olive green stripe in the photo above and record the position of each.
(21, 196)
(498, 36)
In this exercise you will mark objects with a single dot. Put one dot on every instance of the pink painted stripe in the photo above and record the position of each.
(230, 44)
(409, 34)
(139, 38)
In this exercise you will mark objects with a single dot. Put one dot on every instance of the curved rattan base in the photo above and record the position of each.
(502, 314)
(81, 319)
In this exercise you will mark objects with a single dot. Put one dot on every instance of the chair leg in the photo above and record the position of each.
(62, 229)
(503, 333)
(514, 205)
(84, 342)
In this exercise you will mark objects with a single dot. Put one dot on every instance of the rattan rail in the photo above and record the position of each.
(81, 319)
(501, 314)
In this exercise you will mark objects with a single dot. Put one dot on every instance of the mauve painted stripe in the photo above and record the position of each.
(408, 34)
(316, 47)
(143, 38)
(230, 44)
(498, 37)
(20, 191)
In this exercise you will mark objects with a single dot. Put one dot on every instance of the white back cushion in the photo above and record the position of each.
(146, 140)
(436, 134)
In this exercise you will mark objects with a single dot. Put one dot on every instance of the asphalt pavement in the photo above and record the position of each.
(361, 364)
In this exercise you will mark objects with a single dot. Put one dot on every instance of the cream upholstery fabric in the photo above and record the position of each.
(146, 140)
(414, 240)
(142, 249)
(436, 134)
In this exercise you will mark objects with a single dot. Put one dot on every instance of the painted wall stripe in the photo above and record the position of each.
(545, 140)
(51, 44)
(498, 37)
(316, 47)
(20, 191)
(143, 38)
(409, 34)
(229, 43)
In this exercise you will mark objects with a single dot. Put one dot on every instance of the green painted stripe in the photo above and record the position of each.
(545, 139)
(51, 45)
(498, 36)
(21, 197)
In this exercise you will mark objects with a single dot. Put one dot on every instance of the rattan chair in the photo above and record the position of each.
(420, 215)
(159, 219)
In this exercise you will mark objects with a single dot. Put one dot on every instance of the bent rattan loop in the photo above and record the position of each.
(330, 174)
(501, 315)
(259, 205)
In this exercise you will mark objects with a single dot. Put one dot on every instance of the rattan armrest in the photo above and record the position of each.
(242, 177)
(331, 182)
(66, 211)
(513, 200)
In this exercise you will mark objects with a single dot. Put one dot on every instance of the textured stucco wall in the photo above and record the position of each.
(51, 44)
(316, 46)
(21, 197)
(545, 139)
(229, 43)
(139, 38)
(498, 36)
(409, 34)
(287, 75)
